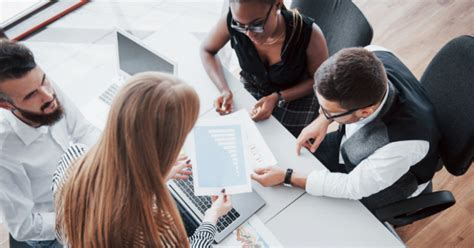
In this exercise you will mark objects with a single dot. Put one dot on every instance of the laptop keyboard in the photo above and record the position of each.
(204, 202)
(108, 95)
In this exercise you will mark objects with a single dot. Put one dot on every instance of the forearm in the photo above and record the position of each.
(203, 236)
(36, 226)
(298, 180)
(23, 221)
(213, 67)
(298, 91)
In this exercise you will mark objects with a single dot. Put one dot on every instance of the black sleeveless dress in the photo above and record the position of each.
(261, 80)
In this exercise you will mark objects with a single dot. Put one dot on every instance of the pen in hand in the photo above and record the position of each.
(223, 107)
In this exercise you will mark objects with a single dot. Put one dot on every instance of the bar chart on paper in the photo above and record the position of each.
(220, 159)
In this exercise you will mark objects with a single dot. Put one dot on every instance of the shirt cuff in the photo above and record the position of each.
(207, 228)
(315, 182)
(48, 231)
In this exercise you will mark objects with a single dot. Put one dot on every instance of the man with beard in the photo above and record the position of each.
(37, 125)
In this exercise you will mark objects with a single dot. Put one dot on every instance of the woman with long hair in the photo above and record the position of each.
(279, 50)
(116, 195)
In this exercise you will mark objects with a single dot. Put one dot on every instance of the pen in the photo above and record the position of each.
(223, 105)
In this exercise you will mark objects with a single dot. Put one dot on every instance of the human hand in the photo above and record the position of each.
(224, 103)
(181, 169)
(312, 135)
(269, 176)
(221, 205)
(264, 107)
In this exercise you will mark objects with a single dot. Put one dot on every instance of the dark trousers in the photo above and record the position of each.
(34, 244)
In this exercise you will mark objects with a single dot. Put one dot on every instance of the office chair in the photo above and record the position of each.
(342, 23)
(449, 83)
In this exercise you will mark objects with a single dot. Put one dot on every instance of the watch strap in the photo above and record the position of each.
(288, 174)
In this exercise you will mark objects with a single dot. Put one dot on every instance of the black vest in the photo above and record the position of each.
(406, 115)
(288, 72)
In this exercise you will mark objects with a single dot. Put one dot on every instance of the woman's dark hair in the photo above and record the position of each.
(353, 77)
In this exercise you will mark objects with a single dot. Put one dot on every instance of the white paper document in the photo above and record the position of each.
(224, 151)
(253, 233)
(220, 160)
(260, 153)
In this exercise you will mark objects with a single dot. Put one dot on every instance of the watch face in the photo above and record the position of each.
(281, 103)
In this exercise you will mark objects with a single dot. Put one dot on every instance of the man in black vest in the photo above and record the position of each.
(386, 147)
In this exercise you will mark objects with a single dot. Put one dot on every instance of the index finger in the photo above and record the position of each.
(300, 142)
(258, 115)
(182, 157)
(260, 170)
(298, 148)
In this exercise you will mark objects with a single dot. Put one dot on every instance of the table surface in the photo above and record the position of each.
(78, 53)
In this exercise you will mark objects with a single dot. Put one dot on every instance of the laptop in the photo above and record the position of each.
(244, 206)
(132, 56)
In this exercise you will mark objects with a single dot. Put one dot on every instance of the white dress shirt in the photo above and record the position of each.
(377, 172)
(28, 159)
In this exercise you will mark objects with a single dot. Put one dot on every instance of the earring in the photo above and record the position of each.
(279, 11)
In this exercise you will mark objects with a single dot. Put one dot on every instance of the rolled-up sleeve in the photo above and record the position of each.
(17, 206)
(377, 172)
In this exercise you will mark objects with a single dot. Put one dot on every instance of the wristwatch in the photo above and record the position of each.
(281, 100)
(287, 181)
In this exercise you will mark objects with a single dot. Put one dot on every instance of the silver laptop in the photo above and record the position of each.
(132, 57)
(244, 206)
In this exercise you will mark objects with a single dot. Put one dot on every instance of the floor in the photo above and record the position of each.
(414, 30)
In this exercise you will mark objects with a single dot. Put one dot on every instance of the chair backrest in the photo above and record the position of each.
(449, 83)
(342, 23)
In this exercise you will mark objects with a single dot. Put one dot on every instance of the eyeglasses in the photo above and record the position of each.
(332, 117)
(253, 27)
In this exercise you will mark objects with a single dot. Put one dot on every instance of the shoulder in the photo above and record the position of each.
(5, 126)
(5, 131)
(7, 136)
(317, 35)
(317, 49)
(66, 165)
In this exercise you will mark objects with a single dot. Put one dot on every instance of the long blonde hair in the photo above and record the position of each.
(117, 194)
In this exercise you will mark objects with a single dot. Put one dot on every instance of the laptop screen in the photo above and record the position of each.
(134, 58)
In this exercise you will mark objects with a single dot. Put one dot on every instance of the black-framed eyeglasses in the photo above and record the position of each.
(332, 117)
(253, 27)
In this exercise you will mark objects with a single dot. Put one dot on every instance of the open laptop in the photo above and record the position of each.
(244, 206)
(132, 56)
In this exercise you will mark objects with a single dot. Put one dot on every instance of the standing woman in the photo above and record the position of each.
(278, 50)
(116, 195)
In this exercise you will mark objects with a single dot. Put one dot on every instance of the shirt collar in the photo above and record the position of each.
(377, 111)
(27, 133)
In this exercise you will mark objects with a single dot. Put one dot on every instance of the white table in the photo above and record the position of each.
(295, 217)
(82, 68)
